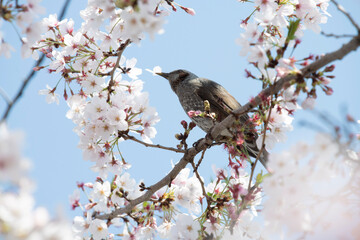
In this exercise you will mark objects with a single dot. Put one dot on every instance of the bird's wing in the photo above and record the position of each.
(221, 101)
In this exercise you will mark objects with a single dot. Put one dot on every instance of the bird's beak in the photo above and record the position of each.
(164, 75)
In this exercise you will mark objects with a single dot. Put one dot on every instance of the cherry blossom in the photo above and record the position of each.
(19, 218)
(51, 96)
(308, 205)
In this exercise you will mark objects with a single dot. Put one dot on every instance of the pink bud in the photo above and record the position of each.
(191, 114)
(192, 125)
(37, 68)
(89, 206)
(184, 124)
(328, 90)
(305, 63)
(80, 185)
(329, 68)
(350, 118)
(189, 11)
(65, 95)
(324, 80)
(89, 185)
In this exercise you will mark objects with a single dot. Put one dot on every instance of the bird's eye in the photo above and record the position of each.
(183, 75)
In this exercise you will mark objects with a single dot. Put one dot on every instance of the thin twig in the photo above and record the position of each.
(341, 9)
(32, 72)
(200, 160)
(119, 53)
(208, 198)
(262, 146)
(128, 137)
(337, 36)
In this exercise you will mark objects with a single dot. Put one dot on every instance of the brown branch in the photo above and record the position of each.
(337, 36)
(202, 144)
(208, 198)
(284, 82)
(341, 9)
(128, 137)
(200, 160)
(188, 157)
(119, 53)
(32, 72)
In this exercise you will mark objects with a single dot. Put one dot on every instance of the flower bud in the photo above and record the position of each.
(89, 185)
(65, 95)
(350, 118)
(191, 114)
(189, 10)
(192, 125)
(38, 68)
(179, 136)
(328, 90)
(184, 124)
(325, 80)
(329, 68)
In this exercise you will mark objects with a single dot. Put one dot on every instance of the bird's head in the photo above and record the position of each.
(176, 77)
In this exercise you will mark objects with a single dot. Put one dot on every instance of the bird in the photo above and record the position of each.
(195, 93)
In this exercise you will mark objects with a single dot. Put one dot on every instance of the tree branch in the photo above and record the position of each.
(284, 82)
(337, 36)
(120, 52)
(32, 72)
(189, 155)
(202, 184)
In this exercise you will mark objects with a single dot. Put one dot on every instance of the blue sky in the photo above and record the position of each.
(203, 44)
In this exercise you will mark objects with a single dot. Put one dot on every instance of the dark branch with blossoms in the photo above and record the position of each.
(108, 106)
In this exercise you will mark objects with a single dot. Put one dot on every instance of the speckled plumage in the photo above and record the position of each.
(192, 91)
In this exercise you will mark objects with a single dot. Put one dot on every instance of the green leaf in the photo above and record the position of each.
(294, 25)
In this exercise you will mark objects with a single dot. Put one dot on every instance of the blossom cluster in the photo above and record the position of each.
(108, 106)
(105, 107)
(19, 219)
(277, 26)
(313, 191)
(164, 215)
(24, 15)
(279, 119)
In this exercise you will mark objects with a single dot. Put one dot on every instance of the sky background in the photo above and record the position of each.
(203, 44)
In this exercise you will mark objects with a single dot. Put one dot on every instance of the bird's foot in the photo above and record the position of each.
(196, 144)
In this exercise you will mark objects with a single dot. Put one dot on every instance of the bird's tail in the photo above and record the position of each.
(264, 158)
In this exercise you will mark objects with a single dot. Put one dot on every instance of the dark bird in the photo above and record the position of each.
(193, 92)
